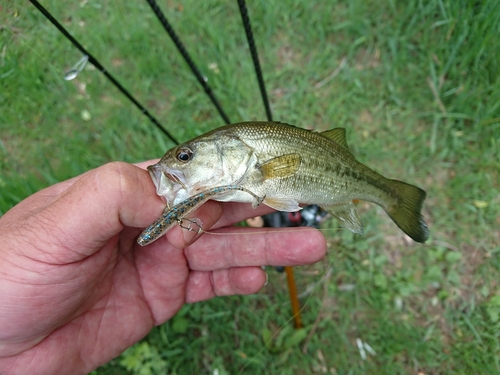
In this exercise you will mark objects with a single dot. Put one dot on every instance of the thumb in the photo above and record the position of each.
(97, 207)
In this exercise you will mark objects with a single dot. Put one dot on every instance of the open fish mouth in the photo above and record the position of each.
(167, 182)
(176, 180)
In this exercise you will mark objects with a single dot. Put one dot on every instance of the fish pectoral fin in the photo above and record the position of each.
(347, 215)
(336, 135)
(281, 166)
(282, 204)
(230, 193)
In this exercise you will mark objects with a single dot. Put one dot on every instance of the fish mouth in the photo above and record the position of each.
(176, 180)
(167, 181)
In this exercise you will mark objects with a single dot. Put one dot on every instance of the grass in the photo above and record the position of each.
(420, 98)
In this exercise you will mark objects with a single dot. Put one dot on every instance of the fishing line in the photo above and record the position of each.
(101, 68)
(270, 230)
(50, 67)
(251, 230)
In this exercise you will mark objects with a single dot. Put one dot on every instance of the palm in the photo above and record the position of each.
(112, 297)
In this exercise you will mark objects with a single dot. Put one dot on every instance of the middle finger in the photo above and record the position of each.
(243, 246)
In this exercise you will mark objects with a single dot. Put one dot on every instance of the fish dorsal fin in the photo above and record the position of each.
(281, 166)
(336, 135)
(347, 215)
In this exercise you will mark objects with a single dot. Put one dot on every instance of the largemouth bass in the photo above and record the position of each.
(286, 166)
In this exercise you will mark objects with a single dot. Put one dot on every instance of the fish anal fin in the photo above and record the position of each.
(282, 204)
(337, 135)
(281, 166)
(346, 213)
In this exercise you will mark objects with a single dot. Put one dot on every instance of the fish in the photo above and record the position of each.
(178, 213)
(288, 166)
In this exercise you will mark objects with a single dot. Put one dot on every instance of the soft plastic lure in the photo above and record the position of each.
(178, 213)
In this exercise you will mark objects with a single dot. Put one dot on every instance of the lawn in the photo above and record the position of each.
(415, 83)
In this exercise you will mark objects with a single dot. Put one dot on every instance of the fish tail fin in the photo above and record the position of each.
(406, 212)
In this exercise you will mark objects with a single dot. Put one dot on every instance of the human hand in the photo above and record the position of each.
(76, 290)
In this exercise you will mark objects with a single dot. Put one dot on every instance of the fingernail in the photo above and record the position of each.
(267, 279)
(188, 236)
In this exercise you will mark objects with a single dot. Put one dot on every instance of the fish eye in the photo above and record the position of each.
(184, 154)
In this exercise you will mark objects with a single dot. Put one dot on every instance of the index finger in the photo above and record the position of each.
(146, 164)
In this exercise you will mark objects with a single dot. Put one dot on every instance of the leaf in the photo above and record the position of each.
(407, 289)
(267, 337)
(453, 256)
(493, 313)
(454, 277)
(180, 324)
(495, 301)
(295, 338)
(380, 280)
(435, 273)
(380, 260)
(283, 335)
(481, 204)
(493, 309)
(143, 359)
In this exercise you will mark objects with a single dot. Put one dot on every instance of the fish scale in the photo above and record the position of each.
(329, 169)
(288, 166)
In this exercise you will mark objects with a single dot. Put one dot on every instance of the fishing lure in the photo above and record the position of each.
(178, 213)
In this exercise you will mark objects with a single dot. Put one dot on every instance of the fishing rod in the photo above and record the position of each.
(255, 57)
(182, 50)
